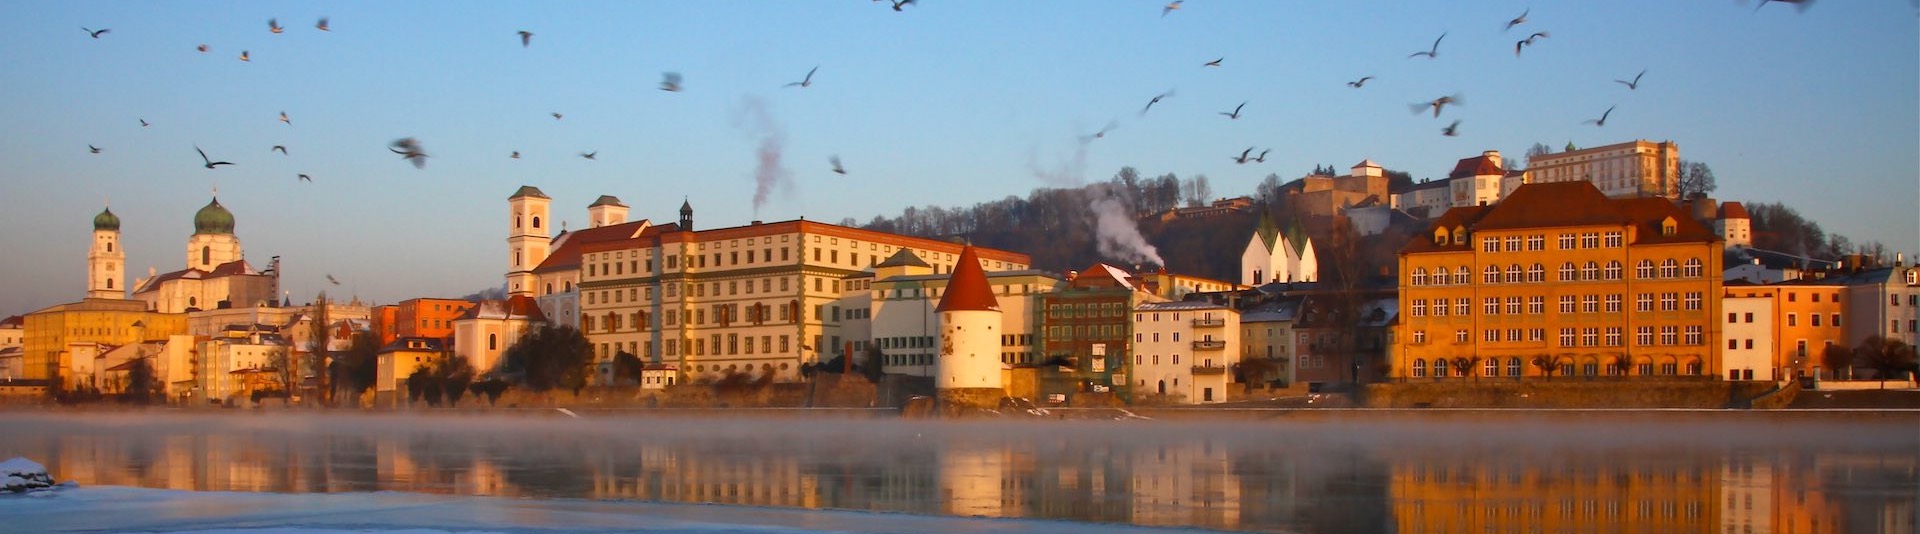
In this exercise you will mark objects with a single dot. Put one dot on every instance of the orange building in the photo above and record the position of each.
(1560, 280)
(1808, 316)
(428, 317)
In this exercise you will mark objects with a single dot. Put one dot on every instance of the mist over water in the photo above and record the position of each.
(1324, 472)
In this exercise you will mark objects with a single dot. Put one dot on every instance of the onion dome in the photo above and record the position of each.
(107, 221)
(213, 219)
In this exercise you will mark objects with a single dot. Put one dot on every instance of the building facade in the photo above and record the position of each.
(1624, 170)
(1750, 335)
(1560, 279)
(1272, 256)
(1182, 351)
(1808, 316)
(217, 274)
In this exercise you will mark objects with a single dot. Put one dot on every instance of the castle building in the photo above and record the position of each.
(217, 274)
(1734, 226)
(1560, 279)
(760, 299)
(890, 309)
(1325, 196)
(1271, 256)
(969, 362)
(1624, 170)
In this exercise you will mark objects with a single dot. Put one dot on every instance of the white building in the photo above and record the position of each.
(1271, 256)
(216, 275)
(1182, 351)
(106, 259)
(968, 368)
(1478, 181)
(1632, 169)
(241, 359)
(892, 309)
(482, 335)
(1734, 226)
(1749, 334)
(1884, 302)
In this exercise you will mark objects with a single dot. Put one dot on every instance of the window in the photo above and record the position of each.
(1462, 307)
(1536, 304)
(1491, 275)
(1419, 307)
(1514, 335)
(1669, 301)
(1793, 319)
(1440, 308)
(1591, 271)
(1536, 242)
(1489, 244)
(1419, 276)
(1695, 336)
(1644, 302)
(1614, 336)
(1589, 337)
(1589, 303)
(1513, 307)
(1513, 244)
(1492, 367)
(1733, 317)
(1419, 337)
(1693, 268)
(1590, 240)
(1643, 336)
(1566, 241)
(1613, 270)
(1669, 268)
(1419, 368)
(1669, 335)
(1537, 273)
(1513, 366)
(1461, 275)
(1615, 239)
(1814, 319)
(1566, 337)
(1836, 321)
(1613, 303)
(1644, 270)
(1490, 336)
(1492, 306)
(1514, 274)
(1440, 277)
(1461, 336)
(1693, 302)
(1566, 272)
(1439, 367)
(1566, 303)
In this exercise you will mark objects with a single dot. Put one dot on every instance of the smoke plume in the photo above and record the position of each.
(1116, 234)
(752, 118)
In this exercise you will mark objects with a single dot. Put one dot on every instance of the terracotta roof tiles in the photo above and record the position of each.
(968, 290)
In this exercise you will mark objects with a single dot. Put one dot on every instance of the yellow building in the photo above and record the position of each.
(111, 322)
(1808, 316)
(1560, 279)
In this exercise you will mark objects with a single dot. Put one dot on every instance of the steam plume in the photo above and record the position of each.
(768, 173)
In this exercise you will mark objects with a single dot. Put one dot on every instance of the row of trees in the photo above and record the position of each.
(1890, 359)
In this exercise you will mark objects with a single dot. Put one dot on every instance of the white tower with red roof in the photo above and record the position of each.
(967, 371)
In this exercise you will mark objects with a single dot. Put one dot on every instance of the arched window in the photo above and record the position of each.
(1419, 368)
(206, 255)
(1613, 270)
(567, 286)
(536, 222)
(493, 341)
(1644, 270)
(191, 302)
(1440, 277)
(1591, 271)
(1514, 274)
(1513, 366)
(549, 289)
(516, 222)
(1420, 276)
(1461, 275)
(1669, 268)
(1693, 268)
(109, 283)
(1440, 368)
(1566, 272)
(1537, 273)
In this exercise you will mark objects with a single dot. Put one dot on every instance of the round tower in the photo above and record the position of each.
(527, 240)
(213, 243)
(967, 372)
(106, 261)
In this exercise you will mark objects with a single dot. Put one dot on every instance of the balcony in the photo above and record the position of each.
(1201, 370)
(1209, 345)
(1209, 322)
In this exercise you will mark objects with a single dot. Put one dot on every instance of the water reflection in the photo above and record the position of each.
(1496, 473)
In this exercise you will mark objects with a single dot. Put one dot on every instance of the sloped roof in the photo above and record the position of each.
(968, 290)
(606, 200)
(528, 191)
(1575, 203)
(515, 307)
(1733, 210)
(1464, 216)
(232, 268)
(401, 344)
(1297, 237)
(903, 258)
(1647, 213)
(566, 255)
(1267, 229)
(13, 322)
(1481, 165)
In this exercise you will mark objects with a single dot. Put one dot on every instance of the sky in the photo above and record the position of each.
(942, 103)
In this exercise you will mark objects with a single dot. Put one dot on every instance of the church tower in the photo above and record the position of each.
(106, 261)
(606, 211)
(967, 373)
(213, 243)
(686, 216)
(528, 241)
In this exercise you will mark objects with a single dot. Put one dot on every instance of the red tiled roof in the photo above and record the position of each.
(1576, 203)
(1733, 210)
(968, 289)
(1480, 165)
(13, 322)
(1647, 213)
(1463, 216)
(567, 256)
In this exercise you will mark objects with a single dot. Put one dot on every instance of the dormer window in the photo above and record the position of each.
(1669, 227)
(1440, 236)
(1459, 235)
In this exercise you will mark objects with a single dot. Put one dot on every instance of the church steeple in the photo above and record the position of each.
(686, 215)
(106, 261)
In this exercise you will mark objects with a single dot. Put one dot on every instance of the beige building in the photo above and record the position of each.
(482, 335)
(1632, 169)
(1183, 350)
(241, 360)
(1326, 196)
(397, 361)
(217, 274)
(760, 298)
(891, 308)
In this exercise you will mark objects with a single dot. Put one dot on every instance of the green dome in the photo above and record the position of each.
(213, 219)
(106, 220)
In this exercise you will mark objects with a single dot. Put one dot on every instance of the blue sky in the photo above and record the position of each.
(948, 102)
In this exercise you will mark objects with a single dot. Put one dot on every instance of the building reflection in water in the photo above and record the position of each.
(1286, 478)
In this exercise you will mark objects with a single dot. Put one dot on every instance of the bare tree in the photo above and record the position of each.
(1695, 177)
(317, 346)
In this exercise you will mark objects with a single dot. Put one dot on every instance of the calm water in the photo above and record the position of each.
(1413, 472)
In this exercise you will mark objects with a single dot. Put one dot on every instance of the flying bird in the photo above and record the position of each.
(1452, 129)
(409, 149)
(281, 148)
(305, 178)
(837, 169)
(93, 149)
(1236, 111)
(1214, 63)
(1517, 45)
(322, 26)
(1436, 104)
(556, 115)
(516, 154)
(1522, 19)
(1156, 100)
(283, 118)
(273, 25)
(526, 37)
(243, 56)
(898, 3)
(670, 81)
(202, 48)
(590, 155)
(1602, 121)
(1431, 52)
(806, 82)
(1170, 7)
(1242, 159)
(95, 33)
(1111, 125)
(1263, 156)
(1360, 82)
(143, 123)
(1635, 84)
(203, 157)
(331, 280)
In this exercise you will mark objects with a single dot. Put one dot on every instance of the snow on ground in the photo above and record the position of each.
(126, 509)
